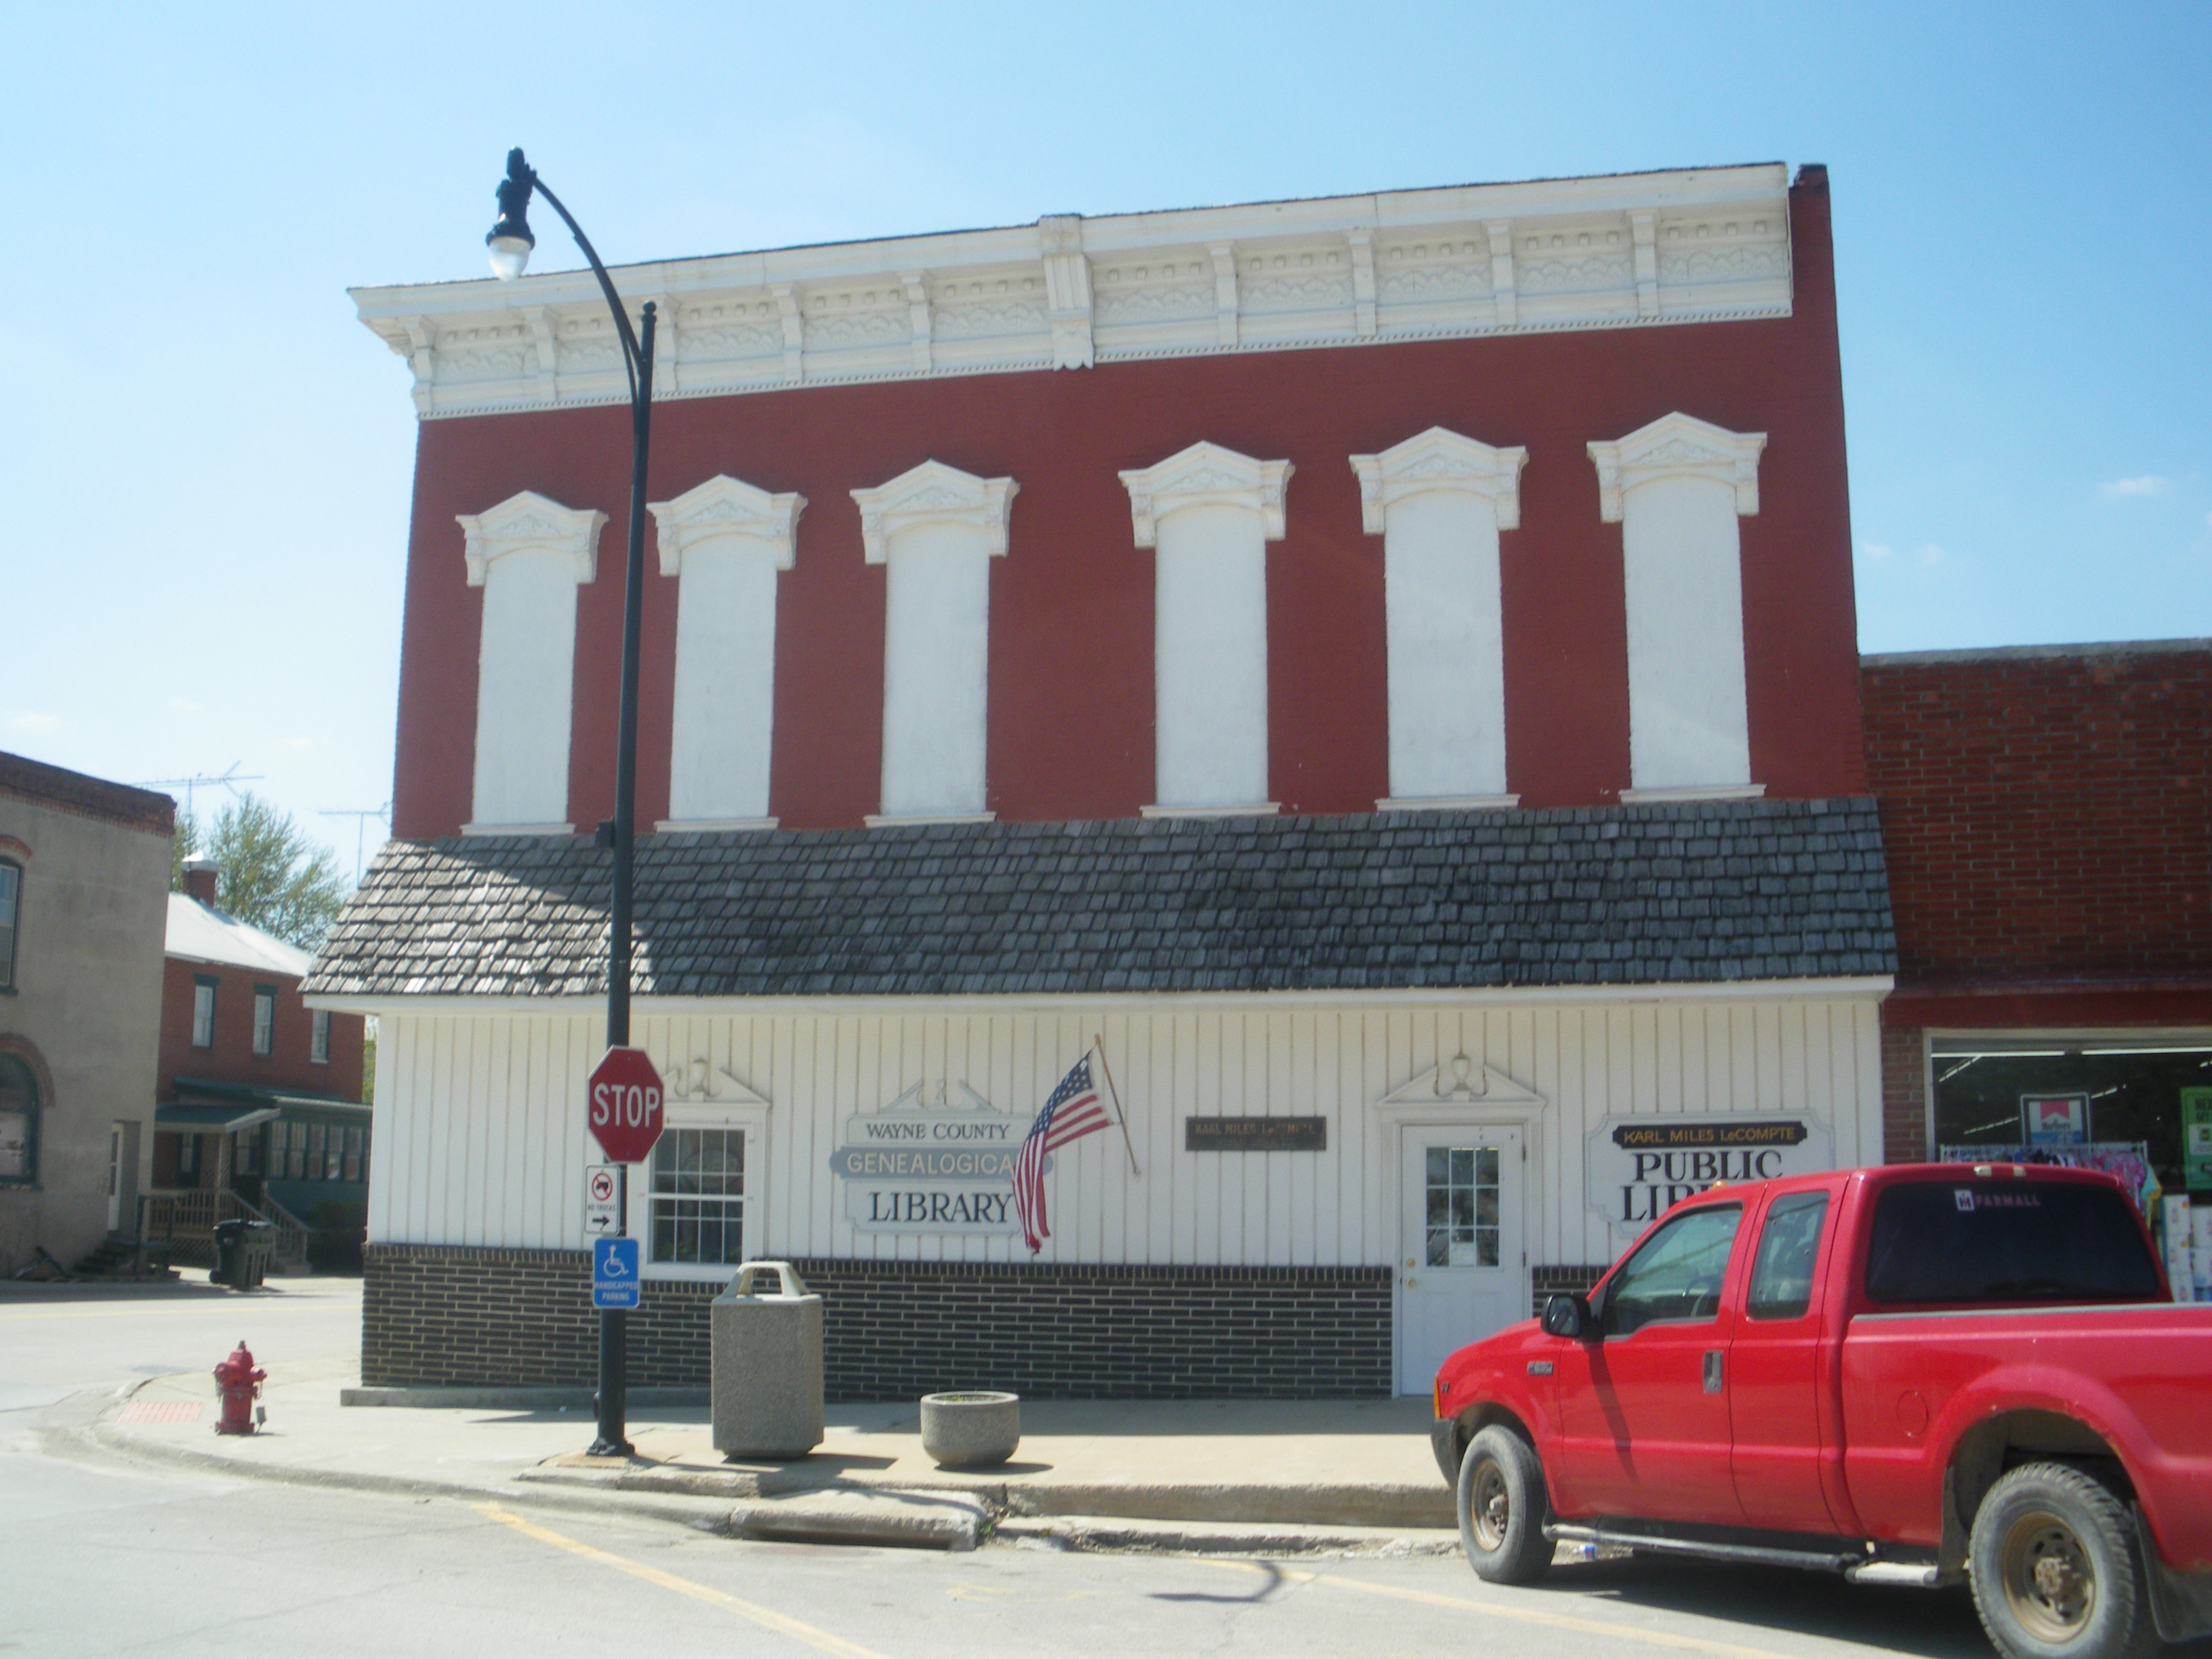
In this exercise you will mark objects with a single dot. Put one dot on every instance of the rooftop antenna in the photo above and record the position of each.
(360, 815)
(229, 780)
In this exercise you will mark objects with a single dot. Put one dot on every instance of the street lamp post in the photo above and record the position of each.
(510, 242)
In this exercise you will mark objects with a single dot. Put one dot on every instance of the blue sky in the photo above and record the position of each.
(205, 461)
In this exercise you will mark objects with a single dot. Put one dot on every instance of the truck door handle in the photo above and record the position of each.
(1713, 1370)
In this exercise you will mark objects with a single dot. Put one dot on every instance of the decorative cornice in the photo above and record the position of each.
(725, 509)
(1677, 446)
(1205, 475)
(530, 522)
(1437, 459)
(934, 492)
(1067, 292)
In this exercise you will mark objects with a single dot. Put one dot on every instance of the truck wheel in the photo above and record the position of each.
(2057, 1571)
(1503, 1507)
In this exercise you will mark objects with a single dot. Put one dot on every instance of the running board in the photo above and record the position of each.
(1818, 1560)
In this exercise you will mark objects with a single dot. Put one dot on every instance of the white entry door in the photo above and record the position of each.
(1462, 1269)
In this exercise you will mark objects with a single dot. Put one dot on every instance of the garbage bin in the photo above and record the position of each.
(229, 1240)
(767, 1364)
(255, 1252)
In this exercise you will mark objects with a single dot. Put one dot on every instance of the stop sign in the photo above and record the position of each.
(623, 1104)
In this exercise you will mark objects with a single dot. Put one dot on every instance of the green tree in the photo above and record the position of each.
(269, 873)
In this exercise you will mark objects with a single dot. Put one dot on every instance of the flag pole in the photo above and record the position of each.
(1099, 1043)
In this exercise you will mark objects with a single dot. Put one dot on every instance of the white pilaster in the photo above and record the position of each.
(1438, 500)
(1068, 290)
(528, 553)
(1209, 512)
(1676, 488)
(936, 529)
(725, 542)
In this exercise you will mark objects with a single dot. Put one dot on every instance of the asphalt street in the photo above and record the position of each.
(112, 1557)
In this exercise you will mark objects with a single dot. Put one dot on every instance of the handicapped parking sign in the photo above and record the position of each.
(614, 1272)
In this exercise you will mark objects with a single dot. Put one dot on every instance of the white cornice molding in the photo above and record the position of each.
(1205, 475)
(1677, 446)
(530, 522)
(1632, 251)
(726, 509)
(934, 492)
(1437, 459)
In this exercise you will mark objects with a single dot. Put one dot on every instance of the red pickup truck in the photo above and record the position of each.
(1910, 1375)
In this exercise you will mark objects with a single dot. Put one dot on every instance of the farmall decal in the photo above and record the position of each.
(938, 1160)
(1639, 1166)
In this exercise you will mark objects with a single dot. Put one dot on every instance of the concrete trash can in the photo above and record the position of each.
(766, 1351)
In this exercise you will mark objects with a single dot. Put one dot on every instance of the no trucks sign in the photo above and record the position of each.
(622, 1104)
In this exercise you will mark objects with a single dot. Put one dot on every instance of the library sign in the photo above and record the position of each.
(1638, 1166)
(938, 1160)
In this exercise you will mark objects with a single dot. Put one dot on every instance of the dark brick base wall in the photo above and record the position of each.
(1558, 1278)
(454, 1316)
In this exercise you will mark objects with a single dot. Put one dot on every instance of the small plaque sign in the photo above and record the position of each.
(1255, 1134)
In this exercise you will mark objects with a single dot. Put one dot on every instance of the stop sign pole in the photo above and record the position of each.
(623, 1105)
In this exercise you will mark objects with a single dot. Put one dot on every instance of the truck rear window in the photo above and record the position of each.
(2006, 1242)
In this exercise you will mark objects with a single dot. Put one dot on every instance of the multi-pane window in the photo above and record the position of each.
(314, 1161)
(264, 1020)
(203, 1011)
(353, 1150)
(1462, 1214)
(698, 1196)
(319, 1039)
(11, 891)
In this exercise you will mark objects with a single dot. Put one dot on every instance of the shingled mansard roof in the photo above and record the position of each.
(1634, 895)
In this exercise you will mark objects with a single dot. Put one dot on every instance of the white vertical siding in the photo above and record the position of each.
(481, 1138)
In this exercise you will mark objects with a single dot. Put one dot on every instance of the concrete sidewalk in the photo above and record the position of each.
(1208, 1475)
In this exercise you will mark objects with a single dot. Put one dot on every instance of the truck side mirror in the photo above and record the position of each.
(1569, 1316)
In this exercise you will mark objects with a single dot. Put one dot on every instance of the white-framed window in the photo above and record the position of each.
(203, 1011)
(697, 1202)
(318, 1038)
(696, 1180)
(264, 1020)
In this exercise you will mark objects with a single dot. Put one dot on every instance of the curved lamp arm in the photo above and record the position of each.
(513, 228)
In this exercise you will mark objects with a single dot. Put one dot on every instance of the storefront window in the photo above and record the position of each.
(1990, 1094)
(19, 1122)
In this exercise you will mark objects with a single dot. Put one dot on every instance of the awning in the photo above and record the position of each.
(205, 1117)
(194, 1093)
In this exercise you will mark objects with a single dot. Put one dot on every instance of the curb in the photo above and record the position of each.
(497, 1398)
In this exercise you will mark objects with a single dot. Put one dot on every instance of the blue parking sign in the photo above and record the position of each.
(614, 1272)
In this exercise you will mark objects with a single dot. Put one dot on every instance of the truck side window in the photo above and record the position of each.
(1677, 1274)
(1789, 1244)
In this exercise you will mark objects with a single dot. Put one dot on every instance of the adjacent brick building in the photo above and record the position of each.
(2047, 812)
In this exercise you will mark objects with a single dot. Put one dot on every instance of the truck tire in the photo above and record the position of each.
(2056, 1571)
(1503, 1506)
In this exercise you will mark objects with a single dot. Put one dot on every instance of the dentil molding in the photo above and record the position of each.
(723, 509)
(1677, 446)
(1640, 250)
(1437, 459)
(530, 522)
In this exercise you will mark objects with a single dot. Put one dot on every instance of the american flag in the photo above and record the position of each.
(1073, 1111)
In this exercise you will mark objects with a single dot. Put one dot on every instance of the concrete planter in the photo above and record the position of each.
(970, 1430)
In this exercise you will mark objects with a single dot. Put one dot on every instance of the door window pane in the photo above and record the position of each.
(1677, 1273)
(1461, 1207)
(698, 1196)
(1789, 1243)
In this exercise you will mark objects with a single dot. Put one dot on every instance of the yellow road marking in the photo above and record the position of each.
(1525, 1615)
(782, 1624)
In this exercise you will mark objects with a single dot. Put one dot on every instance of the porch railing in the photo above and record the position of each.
(186, 1220)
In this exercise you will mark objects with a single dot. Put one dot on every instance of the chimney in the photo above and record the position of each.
(199, 878)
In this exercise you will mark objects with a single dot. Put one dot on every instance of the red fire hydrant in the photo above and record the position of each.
(241, 1380)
